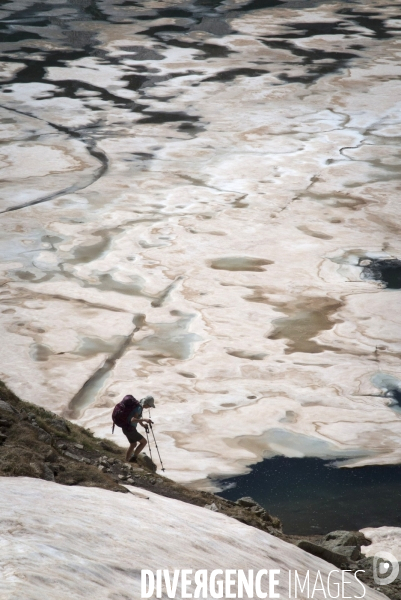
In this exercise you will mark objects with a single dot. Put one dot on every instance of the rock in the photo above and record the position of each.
(146, 462)
(266, 517)
(212, 507)
(78, 446)
(361, 539)
(101, 468)
(130, 480)
(276, 523)
(366, 563)
(104, 462)
(7, 407)
(353, 553)
(61, 425)
(339, 560)
(347, 543)
(73, 456)
(248, 502)
(3, 438)
(258, 510)
(121, 477)
(340, 538)
(85, 460)
(62, 446)
(5, 423)
(47, 474)
(44, 436)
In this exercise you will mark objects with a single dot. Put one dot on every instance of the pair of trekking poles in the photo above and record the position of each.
(149, 425)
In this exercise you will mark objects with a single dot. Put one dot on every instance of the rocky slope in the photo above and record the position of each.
(37, 443)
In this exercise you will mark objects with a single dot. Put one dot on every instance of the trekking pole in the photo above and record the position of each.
(150, 449)
(157, 448)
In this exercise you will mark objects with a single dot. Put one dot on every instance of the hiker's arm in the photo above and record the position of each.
(141, 421)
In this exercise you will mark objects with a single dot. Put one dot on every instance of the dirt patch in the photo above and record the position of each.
(305, 319)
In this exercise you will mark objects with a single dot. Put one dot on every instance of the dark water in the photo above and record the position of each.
(386, 270)
(311, 496)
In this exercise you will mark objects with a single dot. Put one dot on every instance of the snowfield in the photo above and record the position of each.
(68, 543)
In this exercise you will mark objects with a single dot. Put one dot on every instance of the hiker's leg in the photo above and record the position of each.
(140, 447)
(130, 451)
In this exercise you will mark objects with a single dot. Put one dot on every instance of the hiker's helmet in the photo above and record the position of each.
(148, 402)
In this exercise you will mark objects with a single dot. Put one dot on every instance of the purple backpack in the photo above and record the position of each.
(122, 411)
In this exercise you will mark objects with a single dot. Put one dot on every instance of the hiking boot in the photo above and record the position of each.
(133, 459)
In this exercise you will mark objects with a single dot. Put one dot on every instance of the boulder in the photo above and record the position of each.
(340, 538)
(339, 560)
(212, 507)
(347, 543)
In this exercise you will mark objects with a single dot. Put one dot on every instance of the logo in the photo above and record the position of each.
(385, 568)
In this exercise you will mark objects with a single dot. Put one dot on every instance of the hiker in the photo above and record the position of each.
(127, 414)
(131, 432)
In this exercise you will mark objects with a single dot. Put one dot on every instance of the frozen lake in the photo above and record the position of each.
(200, 201)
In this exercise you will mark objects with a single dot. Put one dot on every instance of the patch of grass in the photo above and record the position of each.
(24, 454)
(48, 420)
(18, 461)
